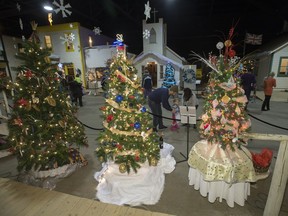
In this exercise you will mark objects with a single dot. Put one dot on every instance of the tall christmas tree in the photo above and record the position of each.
(42, 126)
(128, 138)
(169, 76)
(223, 116)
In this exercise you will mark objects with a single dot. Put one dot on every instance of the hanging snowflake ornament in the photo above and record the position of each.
(18, 6)
(97, 30)
(146, 34)
(71, 37)
(20, 23)
(147, 10)
(63, 8)
(68, 38)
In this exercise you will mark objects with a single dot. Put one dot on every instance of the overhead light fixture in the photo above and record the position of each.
(48, 7)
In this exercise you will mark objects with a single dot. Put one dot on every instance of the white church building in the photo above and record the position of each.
(156, 55)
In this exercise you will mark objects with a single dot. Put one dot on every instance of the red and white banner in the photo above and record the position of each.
(253, 39)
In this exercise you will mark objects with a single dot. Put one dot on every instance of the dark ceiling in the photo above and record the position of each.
(192, 24)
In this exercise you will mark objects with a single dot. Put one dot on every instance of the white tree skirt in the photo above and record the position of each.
(236, 192)
(143, 187)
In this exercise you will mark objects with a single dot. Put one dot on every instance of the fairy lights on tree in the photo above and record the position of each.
(223, 116)
(42, 126)
(128, 138)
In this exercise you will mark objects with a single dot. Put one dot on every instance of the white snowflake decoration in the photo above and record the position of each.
(97, 30)
(147, 10)
(146, 34)
(63, 8)
(69, 38)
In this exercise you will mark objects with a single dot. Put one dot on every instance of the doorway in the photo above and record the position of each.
(152, 68)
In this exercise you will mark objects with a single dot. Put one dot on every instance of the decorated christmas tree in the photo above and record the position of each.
(128, 138)
(169, 76)
(42, 127)
(223, 116)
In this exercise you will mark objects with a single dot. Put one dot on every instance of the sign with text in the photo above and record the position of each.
(188, 114)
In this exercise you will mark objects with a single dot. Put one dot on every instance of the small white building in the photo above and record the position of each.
(156, 54)
(272, 57)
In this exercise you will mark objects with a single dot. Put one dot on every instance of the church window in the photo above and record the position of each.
(161, 72)
(152, 38)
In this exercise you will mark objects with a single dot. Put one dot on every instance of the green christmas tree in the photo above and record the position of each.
(42, 126)
(169, 78)
(223, 116)
(128, 138)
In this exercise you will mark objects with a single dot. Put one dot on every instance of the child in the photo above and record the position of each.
(175, 114)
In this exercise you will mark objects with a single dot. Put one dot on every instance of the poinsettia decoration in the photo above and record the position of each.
(262, 159)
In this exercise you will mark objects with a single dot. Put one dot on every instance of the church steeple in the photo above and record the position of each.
(157, 40)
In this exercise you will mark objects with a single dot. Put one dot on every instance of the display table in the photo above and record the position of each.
(223, 174)
(143, 187)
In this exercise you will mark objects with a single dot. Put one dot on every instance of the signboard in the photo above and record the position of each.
(188, 114)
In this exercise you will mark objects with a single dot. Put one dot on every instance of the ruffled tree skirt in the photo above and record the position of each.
(48, 178)
(143, 187)
(223, 174)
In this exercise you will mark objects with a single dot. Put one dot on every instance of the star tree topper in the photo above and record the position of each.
(147, 10)
(61, 7)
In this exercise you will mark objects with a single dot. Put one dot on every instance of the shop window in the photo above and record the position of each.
(48, 42)
(283, 67)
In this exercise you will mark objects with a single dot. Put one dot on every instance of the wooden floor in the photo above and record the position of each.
(20, 199)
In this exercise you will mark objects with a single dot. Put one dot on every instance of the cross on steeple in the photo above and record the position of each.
(154, 14)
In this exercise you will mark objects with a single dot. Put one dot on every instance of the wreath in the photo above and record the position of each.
(189, 76)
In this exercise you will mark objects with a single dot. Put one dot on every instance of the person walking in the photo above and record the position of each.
(155, 99)
(269, 84)
(147, 84)
(76, 92)
(248, 83)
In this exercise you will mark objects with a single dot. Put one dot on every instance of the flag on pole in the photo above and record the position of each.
(253, 39)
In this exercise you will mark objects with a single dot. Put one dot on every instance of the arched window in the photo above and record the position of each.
(152, 38)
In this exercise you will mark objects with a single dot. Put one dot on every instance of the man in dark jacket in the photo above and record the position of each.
(76, 90)
(155, 99)
(147, 84)
(248, 82)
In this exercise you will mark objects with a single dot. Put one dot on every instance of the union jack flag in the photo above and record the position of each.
(253, 39)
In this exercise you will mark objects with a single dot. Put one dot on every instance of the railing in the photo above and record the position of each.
(280, 174)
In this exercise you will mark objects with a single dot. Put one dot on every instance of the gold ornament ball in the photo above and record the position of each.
(107, 150)
(101, 159)
(122, 168)
(228, 43)
(154, 162)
